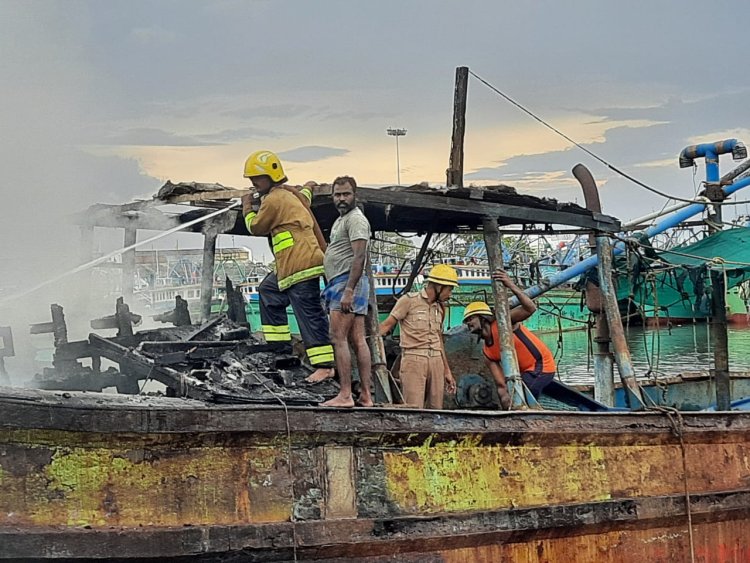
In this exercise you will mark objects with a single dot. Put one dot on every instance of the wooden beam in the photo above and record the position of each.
(382, 379)
(617, 334)
(509, 361)
(455, 172)
(128, 263)
(213, 196)
(507, 214)
(207, 272)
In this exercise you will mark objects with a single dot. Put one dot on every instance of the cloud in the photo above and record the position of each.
(241, 134)
(311, 153)
(153, 137)
(355, 115)
(150, 136)
(274, 111)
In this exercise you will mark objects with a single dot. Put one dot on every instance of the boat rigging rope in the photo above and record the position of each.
(716, 261)
(589, 152)
(102, 259)
(678, 429)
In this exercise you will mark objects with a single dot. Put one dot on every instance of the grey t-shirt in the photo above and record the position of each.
(339, 255)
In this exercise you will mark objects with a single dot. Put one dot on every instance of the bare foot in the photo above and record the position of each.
(365, 400)
(320, 374)
(339, 401)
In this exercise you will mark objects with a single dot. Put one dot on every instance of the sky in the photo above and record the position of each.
(103, 101)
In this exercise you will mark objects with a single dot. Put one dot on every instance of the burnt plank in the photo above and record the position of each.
(170, 346)
(74, 350)
(110, 413)
(477, 208)
(205, 327)
(146, 367)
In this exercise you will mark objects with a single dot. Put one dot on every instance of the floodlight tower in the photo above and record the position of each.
(397, 132)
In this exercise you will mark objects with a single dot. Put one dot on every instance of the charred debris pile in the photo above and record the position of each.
(219, 361)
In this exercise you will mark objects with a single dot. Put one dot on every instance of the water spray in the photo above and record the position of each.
(7, 300)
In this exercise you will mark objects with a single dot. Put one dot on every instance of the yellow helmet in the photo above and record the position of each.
(265, 163)
(477, 308)
(443, 274)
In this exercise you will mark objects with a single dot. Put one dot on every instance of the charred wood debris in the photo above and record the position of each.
(218, 361)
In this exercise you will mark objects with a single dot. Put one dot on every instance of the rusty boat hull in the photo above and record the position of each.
(91, 476)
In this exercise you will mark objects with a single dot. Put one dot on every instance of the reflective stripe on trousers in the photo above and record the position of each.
(280, 333)
(304, 297)
(320, 354)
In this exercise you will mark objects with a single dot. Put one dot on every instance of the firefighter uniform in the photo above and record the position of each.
(289, 224)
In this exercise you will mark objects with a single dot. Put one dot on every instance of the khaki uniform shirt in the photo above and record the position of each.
(421, 323)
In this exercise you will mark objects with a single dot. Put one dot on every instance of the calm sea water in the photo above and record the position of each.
(665, 352)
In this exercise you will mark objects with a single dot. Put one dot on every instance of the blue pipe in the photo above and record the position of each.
(665, 224)
(711, 152)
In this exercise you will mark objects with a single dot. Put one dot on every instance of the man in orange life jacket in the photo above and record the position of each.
(283, 214)
(535, 361)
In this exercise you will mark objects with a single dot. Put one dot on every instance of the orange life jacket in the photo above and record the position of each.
(533, 355)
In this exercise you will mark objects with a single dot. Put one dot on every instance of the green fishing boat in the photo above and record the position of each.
(673, 286)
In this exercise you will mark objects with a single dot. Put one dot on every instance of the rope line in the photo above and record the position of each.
(678, 429)
(595, 156)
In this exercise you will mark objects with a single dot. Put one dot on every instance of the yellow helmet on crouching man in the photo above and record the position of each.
(478, 308)
(265, 163)
(443, 274)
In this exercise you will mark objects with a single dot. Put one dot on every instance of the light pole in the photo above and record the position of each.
(397, 133)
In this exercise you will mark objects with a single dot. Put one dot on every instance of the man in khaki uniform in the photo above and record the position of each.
(425, 374)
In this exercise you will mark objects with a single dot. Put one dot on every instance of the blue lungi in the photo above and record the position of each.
(334, 291)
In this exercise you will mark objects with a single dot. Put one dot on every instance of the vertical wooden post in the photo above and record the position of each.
(128, 263)
(616, 332)
(210, 235)
(509, 361)
(455, 172)
(604, 373)
(719, 335)
(382, 378)
(720, 341)
(86, 254)
(211, 230)
(6, 350)
(604, 380)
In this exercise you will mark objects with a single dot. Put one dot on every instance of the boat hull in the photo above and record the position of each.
(86, 475)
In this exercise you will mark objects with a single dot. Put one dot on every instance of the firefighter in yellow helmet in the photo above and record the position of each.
(425, 373)
(283, 214)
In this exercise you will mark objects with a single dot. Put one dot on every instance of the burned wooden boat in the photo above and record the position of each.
(183, 478)
(117, 477)
(89, 475)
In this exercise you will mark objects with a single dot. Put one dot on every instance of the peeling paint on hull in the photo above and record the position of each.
(83, 477)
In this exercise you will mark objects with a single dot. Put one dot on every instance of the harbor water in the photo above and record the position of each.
(662, 352)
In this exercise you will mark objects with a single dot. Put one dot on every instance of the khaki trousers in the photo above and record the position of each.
(422, 376)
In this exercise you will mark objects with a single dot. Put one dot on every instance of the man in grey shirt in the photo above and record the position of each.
(347, 293)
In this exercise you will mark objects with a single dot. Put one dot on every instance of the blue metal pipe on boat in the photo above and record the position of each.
(711, 152)
(667, 223)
